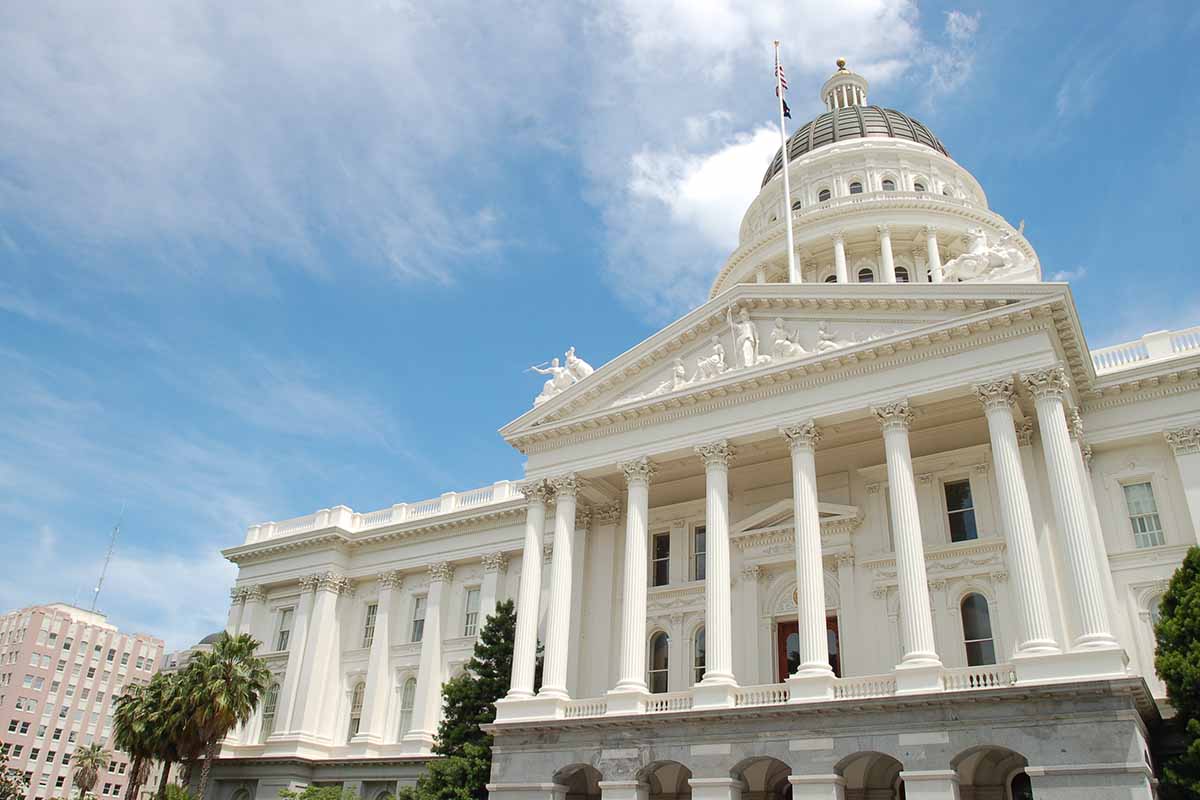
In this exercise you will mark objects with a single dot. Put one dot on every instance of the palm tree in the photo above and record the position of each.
(133, 734)
(224, 687)
(89, 761)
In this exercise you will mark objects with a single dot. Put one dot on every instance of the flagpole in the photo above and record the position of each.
(793, 273)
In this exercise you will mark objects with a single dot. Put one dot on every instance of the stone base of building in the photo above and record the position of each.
(1086, 740)
(263, 778)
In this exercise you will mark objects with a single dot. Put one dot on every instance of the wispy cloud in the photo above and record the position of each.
(952, 60)
(1072, 275)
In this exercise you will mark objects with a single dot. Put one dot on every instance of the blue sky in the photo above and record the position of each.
(259, 259)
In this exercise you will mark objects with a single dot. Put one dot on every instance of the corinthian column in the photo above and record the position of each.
(714, 689)
(255, 597)
(428, 704)
(1185, 444)
(1048, 387)
(530, 592)
(237, 603)
(933, 255)
(558, 623)
(1035, 633)
(916, 616)
(375, 699)
(632, 675)
(886, 263)
(839, 257)
(814, 677)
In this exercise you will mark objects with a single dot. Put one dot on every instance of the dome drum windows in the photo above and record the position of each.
(823, 195)
(888, 185)
(856, 187)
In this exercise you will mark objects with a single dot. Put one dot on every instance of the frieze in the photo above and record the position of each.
(780, 538)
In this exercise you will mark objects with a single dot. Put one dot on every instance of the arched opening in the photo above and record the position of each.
(796, 205)
(270, 704)
(901, 274)
(660, 654)
(977, 630)
(992, 772)
(855, 187)
(871, 776)
(582, 781)
(918, 187)
(823, 195)
(241, 794)
(831, 278)
(408, 698)
(866, 276)
(356, 709)
(666, 780)
(889, 185)
(763, 778)
(383, 794)
(698, 656)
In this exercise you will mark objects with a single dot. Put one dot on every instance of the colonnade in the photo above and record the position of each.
(887, 260)
(920, 666)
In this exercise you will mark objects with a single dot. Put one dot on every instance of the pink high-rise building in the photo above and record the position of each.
(61, 668)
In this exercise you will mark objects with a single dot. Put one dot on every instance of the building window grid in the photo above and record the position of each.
(978, 639)
(960, 510)
(471, 613)
(356, 707)
(1144, 519)
(282, 638)
(698, 656)
(369, 624)
(408, 698)
(418, 620)
(659, 668)
(660, 560)
(699, 552)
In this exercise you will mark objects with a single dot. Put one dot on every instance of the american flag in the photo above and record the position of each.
(782, 84)
(779, 74)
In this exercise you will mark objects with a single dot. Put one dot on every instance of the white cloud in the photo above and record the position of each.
(1077, 274)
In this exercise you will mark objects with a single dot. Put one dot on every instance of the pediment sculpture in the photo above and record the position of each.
(562, 376)
(985, 258)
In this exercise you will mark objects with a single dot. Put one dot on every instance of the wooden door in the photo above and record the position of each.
(787, 646)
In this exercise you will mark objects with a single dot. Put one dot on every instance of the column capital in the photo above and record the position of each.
(995, 394)
(495, 562)
(1075, 425)
(1051, 382)
(839, 236)
(930, 230)
(237, 595)
(565, 485)
(1025, 433)
(715, 454)
(255, 594)
(441, 572)
(896, 415)
(883, 229)
(607, 513)
(1183, 441)
(640, 470)
(309, 583)
(583, 518)
(327, 581)
(392, 579)
(536, 491)
(802, 434)
(752, 573)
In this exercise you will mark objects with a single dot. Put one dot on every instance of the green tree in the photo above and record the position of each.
(87, 763)
(132, 734)
(468, 701)
(1178, 664)
(222, 688)
(313, 792)
(13, 785)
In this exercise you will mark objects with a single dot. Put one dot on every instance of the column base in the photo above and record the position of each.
(623, 790)
(626, 701)
(526, 791)
(715, 788)
(416, 743)
(1076, 665)
(817, 787)
(808, 687)
(371, 741)
(524, 709)
(933, 784)
(918, 678)
(711, 695)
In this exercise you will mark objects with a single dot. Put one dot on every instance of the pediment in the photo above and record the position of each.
(755, 332)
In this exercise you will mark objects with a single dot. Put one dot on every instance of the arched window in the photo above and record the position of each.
(866, 276)
(918, 187)
(889, 185)
(270, 703)
(855, 187)
(660, 647)
(977, 630)
(823, 195)
(831, 278)
(356, 707)
(1020, 787)
(901, 274)
(1155, 609)
(946, 191)
(796, 206)
(698, 656)
(408, 698)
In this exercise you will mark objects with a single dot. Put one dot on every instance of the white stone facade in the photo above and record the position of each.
(801, 497)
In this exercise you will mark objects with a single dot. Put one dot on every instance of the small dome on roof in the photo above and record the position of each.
(211, 638)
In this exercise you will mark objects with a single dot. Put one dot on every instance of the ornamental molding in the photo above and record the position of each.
(802, 435)
(565, 486)
(996, 394)
(495, 562)
(547, 552)
(779, 540)
(237, 595)
(392, 579)
(608, 513)
(1144, 389)
(537, 491)
(662, 601)
(1025, 433)
(256, 593)
(893, 416)
(326, 581)
(583, 518)
(309, 583)
(441, 572)
(1047, 383)
(1184, 441)
(639, 470)
(716, 454)
(982, 558)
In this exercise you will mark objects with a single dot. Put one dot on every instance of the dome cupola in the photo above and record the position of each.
(844, 89)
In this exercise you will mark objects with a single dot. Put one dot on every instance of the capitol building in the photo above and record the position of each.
(872, 522)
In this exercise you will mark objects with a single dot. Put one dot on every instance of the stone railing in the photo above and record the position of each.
(585, 708)
(766, 695)
(348, 520)
(669, 701)
(1157, 346)
(990, 676)
(864, 686)
(869, 198)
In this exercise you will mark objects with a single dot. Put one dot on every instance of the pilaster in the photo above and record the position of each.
(716, 689)
(427, 708)
(1185, 445)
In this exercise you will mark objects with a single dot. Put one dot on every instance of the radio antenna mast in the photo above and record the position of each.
(112, 543)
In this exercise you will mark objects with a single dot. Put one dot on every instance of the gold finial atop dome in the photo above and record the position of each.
(841, 63)
(844, 89)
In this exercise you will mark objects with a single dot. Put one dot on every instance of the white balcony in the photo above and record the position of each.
(1151, 348)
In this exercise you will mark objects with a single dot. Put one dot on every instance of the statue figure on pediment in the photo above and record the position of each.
(709, 367)
(560, 380)
(825, 340)
(579, 368)
(784, 343)
(745, 338)
(982, 258)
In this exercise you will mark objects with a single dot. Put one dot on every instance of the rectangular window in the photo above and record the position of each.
(418, 621)
(124, 659)
(660, 560)
(369, 624)
(699, 552)
(471, 616)
(281, 640)
(960, 510)
(1143, 514)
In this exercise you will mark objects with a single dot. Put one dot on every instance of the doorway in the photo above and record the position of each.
(787, 645)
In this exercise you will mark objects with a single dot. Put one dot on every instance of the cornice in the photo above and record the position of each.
(786, 533)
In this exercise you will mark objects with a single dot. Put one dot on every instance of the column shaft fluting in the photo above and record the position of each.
(718, 619)
(428, 706)
(375, 701)
(558, 617)
(530, 591)
(839, 258)
(632, 675)
(886, 262)
(810, 570)
(916, 616)
(1087, 593)
(933, 255)
(1036, 634)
